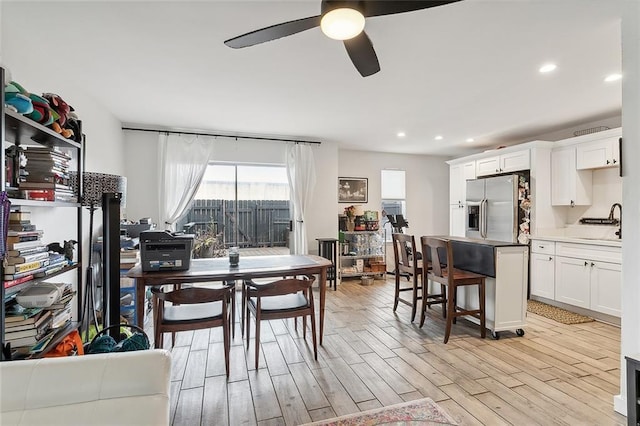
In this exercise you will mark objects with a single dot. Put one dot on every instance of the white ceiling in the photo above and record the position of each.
(469, 69)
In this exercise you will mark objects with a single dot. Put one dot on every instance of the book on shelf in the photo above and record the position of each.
(31, 233)
(34, 151)
(44, 185)
(61, 317)
(17, 314)
(26, 236)
(34, 272)
(23, 341)
(40, 319)
(19, 216)
(21, 227)
(24, 244)
(27, 251)
(38, 194)
(15, 260)
(13, 335)
(42, 343)
(26, 267)
(15, 282)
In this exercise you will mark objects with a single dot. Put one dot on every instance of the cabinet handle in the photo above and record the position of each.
(586, 263)
(593, 264)
(550, 258)
(614, 161)
(608, 162)
(497, 170)
(573, 203)
(541, 247)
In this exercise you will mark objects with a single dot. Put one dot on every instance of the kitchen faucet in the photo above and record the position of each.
(613, 207)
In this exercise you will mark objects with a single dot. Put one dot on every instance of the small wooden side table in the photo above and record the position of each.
(633, 389)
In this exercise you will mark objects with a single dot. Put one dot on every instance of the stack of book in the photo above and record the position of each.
(25, 327)
(30, 329)
(47, 175)
(26, 253)
(129, 258)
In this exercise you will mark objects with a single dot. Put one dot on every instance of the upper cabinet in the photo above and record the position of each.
(504, 163)
(598, 154)
(569, 187)
(458, 176)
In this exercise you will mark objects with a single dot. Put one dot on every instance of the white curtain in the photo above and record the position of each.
(301, 174)
(182, 161)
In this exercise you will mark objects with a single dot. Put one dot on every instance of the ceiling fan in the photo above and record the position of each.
(340, 20)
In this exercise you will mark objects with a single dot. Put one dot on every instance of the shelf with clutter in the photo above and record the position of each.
(362, 248)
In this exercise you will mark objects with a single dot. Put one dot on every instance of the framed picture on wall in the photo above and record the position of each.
(353, 190)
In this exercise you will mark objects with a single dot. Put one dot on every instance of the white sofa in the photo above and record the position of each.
(125, 388)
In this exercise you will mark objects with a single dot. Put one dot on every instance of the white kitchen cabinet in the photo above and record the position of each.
(504, 163)
(589, 276)
(457, 220)
(606, 283)
(458, 176)
(569, 187)
(598, 154)
(573, 281)
(542, 275)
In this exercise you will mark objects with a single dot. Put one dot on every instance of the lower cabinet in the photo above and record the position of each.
(573, 281)
(543, 275)
(606, 291)
(585, 275)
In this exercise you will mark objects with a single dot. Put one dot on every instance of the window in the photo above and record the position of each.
(249, 204)
(393, 193)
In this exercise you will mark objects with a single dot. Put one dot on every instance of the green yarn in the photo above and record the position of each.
(136, 342)
(102, 344)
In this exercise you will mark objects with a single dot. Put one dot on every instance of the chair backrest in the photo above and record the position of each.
(280, 287)
(193, 295)
(439, 248)
(403, 245)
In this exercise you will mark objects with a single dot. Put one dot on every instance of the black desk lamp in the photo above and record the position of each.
(96, 188)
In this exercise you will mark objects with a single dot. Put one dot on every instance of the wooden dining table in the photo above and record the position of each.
(219, 269)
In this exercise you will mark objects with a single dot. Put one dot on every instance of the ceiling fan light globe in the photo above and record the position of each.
(342, 23)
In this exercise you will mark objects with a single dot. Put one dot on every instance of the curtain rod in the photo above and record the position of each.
(262, 138)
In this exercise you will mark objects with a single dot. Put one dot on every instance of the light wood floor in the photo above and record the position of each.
(371, 357)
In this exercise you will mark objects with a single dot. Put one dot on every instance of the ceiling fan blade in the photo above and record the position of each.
(273, 32)
(378, 8)
(362, 55)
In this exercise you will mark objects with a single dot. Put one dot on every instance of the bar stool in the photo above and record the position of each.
(407, 265)
(452, 278)
(327, 248)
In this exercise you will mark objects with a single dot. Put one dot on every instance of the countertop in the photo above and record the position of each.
(485, 242)
(579, 240)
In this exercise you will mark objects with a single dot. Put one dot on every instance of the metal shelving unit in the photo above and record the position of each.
(362, 248)
(16, 129)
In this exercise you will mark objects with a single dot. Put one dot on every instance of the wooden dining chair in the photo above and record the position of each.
(285, 298)
(410, 266)
(443, 272)
(193, 308)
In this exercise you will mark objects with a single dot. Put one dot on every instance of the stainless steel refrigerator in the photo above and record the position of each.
(492, 208)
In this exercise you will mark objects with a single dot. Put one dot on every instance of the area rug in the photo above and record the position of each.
(557, 314)
(421, 412)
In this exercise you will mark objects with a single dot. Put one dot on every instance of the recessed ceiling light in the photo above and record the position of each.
(470, 140)
(547, 68)
(401, 134)
(438, 138)
(613, 77)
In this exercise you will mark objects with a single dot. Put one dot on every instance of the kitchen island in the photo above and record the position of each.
(506, 266)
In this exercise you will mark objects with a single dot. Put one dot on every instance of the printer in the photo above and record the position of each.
(165, 250)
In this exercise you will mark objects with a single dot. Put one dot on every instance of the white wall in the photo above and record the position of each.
(427, 185)
(142, 172)
(630, 191)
